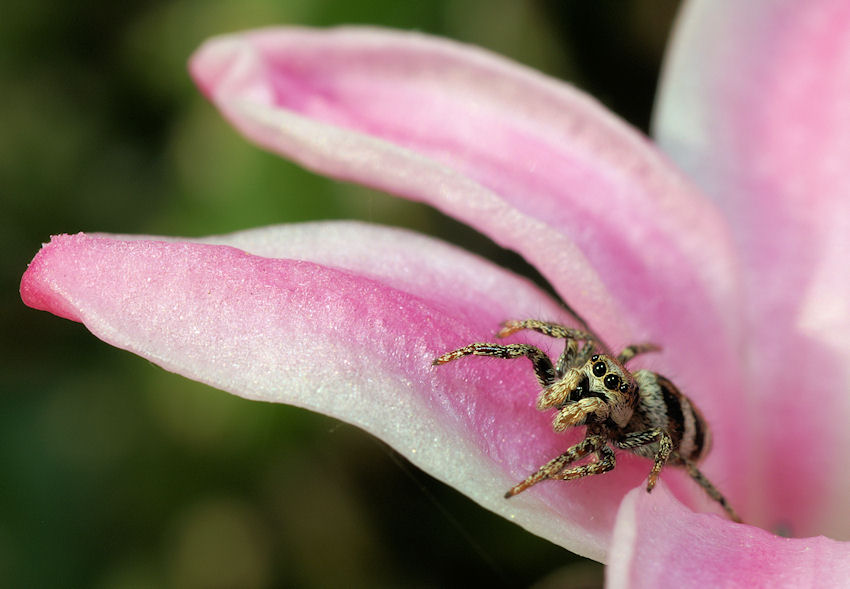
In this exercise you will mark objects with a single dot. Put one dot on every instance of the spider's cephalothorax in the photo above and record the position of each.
(641, 412)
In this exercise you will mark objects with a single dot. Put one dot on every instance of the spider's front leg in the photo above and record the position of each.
(554, 469)
(543, 368)
(572, 355)
(551, 329)
(665, 446)
(635, 349)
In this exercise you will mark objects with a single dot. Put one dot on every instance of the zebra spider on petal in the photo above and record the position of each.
(641, 411)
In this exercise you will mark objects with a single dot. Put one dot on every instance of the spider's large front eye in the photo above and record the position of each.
(599, 369)
(612, 382)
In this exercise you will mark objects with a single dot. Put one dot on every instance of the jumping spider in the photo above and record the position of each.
(641, 412)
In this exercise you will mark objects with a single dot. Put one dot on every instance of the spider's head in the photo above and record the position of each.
(606, 378)
(602, 389)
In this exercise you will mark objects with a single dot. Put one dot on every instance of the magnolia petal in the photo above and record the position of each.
(399, 258)
(351, 103)
(756, 105)
(658, 543)
(534, 164)
(354, 342)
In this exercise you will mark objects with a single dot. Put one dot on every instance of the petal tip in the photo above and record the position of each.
(38, 284)
(212, 60)
(221, 62)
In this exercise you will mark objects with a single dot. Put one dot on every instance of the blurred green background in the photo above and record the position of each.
(118, 475)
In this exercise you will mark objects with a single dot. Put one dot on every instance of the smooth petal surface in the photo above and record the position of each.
(534, 164)
(756, 106)
(659, 543)
(352, 335)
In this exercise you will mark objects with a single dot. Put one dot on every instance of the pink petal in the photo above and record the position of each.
(350, 333)
(658, 543)
(525, 159)
(398, 258)
(534, 164)
(360, 104)
(756, 106)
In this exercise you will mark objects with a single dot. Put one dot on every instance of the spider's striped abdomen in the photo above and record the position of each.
(661, 404)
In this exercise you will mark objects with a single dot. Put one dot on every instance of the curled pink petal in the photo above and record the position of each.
(756, 107)
(349, 338)
(658, 543)
(320, 99)
(538, 166)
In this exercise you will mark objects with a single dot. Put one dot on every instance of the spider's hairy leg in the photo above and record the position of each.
(665, 446)
(633, 350)
(571, 355)
(555, 466)
(544, 327)
(605, 461)
(543, 368)
(712, 491)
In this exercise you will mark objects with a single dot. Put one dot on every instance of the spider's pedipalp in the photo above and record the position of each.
(577, 413)
(559, 392)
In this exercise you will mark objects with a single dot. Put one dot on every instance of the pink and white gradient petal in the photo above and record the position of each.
(531, 162)
(659, 543)
(347, 334)
(755, 105)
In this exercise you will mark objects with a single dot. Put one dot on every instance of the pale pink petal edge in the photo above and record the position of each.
(658, 543)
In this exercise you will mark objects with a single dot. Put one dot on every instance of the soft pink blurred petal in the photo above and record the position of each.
(756, 105)
(523, 158)
(659, 543)
(350, 335)
(534, 164)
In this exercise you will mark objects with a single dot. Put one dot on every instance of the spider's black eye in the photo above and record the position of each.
(599, 369)
(612, 382)
(624, 388)
(595, 357)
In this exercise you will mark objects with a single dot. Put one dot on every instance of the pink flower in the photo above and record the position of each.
(738, 268)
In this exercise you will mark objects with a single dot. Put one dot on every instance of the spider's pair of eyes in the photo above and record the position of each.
(611, 381)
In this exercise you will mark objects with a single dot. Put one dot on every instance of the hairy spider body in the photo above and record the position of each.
(642, 412)
(662, 405)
